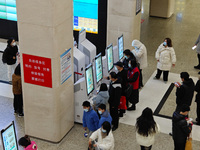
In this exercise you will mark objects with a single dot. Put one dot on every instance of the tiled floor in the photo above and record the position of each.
(183, 28)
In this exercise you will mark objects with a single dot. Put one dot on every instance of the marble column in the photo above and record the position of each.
(45, 29)
(122, 19)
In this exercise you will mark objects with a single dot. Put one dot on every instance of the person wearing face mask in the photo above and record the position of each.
(133, 79)
(166, 57)
(140, 52)
(90, 118)
(104, 137)
(105, 115)
(9, 56)
(128, 55)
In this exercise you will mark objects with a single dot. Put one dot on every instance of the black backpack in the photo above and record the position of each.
(4, 60)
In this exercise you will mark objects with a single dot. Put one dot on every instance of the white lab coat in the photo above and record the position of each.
(166, 57)
(140, 53)
(106, 143)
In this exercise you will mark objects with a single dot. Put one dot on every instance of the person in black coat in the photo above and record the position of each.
(115, 91)
(128, 56)
(181, 127)
(197, 100)
(10, 55)
(184, 92)
(122, 74)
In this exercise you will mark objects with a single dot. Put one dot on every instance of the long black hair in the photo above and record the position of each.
(145, 124)
(24, 141)
(106, 126)
(103, 87)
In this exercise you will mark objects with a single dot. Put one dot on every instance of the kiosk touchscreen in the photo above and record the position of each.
(89, 79)
(98, 68)
(110, 62)
(8, 137)
(121, 46)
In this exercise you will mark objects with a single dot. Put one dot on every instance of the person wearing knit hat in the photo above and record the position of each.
(10, 57)
(184, 91)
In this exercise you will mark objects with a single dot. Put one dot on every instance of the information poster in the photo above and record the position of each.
(99, 72)
(37, 70)
(8, 10)
(9, 138)
(86, 15)
(138, 6)
(89, 78)
(65, 62)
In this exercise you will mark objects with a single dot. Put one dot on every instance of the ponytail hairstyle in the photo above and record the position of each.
(24, 141)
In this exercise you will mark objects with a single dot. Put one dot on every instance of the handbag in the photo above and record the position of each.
(122, 104)
(129, 90)
(188, 145)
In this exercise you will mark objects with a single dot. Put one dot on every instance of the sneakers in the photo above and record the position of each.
(197, 67)
(114, 128)
(131, 108)
(20, 115)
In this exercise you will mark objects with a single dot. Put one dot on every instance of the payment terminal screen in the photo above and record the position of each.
(121, 47)
(110, 57)
(89, 80)
(99, 70)
(86, 15)
(8, 10)
(9, 138)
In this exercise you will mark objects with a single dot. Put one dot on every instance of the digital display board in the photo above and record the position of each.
(89, 79)
(110, 57)
(8, 10)
(8, 136)
(99, 67)
(86, 15)
(121, 47)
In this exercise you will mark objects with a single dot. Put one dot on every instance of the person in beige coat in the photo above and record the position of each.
(166, 58)
(140, 53)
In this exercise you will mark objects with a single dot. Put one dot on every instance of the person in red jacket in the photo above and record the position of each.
(133, 79)
(27, 144)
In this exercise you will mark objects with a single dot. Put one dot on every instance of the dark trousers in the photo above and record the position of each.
(115, 116)
(165, 74)
(141, 79)
(18, 103)
(198, 56)
(145, 148)
(198, 112)
(179, 146)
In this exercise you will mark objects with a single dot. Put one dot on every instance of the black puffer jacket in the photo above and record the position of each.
(180, 128)
(9, 53)
(185, 93)
(115, 91)
(197, 89)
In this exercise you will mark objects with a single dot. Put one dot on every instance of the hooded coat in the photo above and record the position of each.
(32, 146)
(185, 93)
(105, 117)
(180, 128)
(140, 53)
(166, 57)
(101, 98)
(9, 53)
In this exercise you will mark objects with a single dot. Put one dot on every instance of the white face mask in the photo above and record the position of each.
(104, 131)
(116, 68)
(86, 110)
(129, 65)
(14, 44)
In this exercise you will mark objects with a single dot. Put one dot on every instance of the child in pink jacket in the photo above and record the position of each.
(27, 143)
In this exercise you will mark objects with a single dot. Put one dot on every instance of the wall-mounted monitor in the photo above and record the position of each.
(89, 77)
(110, 61)
(86, 15)
(121, 46)
(8, 10)
(8, 137)
(98, 68)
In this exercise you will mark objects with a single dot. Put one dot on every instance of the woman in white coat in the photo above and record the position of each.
(104, 137)
(140, 52)
(166, 58)
(146, 129)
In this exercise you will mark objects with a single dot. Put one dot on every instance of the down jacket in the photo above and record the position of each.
(166, 57)
(106, 143)
(140, 52)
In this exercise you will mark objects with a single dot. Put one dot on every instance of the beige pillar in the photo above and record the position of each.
(161, 8)
(122, 19)
(45, 29)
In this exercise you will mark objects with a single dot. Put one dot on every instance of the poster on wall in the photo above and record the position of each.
(65, 63)
(138, 6)
(8, 137)
(37, 70)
